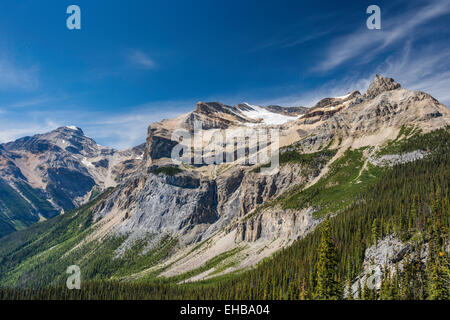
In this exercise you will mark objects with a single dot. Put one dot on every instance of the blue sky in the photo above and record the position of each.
(135, 62)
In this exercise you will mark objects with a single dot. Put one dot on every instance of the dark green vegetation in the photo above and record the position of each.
(307, 159)
(16, 213)
(409, 139)
(32, 256)
(408, 200)
(37, 199)
(39, 256)
(328, 286)
(311, 161)
(345, 180)
(11, 220)
(66, 184)
(21, 205)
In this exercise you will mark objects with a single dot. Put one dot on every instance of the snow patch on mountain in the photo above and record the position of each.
(343, 97)
(268, 118)
(86, 162)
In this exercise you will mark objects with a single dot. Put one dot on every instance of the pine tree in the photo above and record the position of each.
(360, 295)
(439, 287)
(438, 271)
(375, 232)
(349, 290)
(327, 285)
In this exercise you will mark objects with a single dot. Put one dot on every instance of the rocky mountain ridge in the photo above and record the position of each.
(48, 173)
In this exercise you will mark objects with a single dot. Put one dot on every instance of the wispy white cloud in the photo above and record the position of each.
(364, 44)
(126, 130)
(11, 130)
(13, 76)
(301, 40)
(128, 60)
(292, 41)
(331, 88)
(141, 59)
(31, 102)
(425, 69)
(120, 130)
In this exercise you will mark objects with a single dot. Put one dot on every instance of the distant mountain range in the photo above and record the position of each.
(142, 216)
(46, 174)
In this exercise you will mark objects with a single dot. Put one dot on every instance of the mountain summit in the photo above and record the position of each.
(381, 84)
(48, 173)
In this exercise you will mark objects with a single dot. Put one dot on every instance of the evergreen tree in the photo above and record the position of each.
(375, 232)
(327, 285)
(439, 284)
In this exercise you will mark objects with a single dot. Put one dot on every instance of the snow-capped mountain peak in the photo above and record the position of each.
(267, 117)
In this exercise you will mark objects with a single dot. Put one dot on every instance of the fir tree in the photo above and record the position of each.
(327, 285)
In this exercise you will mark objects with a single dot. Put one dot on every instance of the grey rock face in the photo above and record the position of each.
(378, 259)
(194, 208)
(158, 146)
(393, 159)
(386, 256)
(380, 85)
(288, 111)
(160, 203)
(276, 223)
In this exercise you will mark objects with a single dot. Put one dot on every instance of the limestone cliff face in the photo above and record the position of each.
(159, 203)
(388, 255)
(276, 223)
(211, 115)
(189, 205)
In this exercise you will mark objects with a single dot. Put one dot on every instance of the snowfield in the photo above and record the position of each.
(343, 97)
(268, 118)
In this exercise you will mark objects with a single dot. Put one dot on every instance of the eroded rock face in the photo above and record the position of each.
(162, 204)
(387, 255)
(274, 222)
(380, 85)
(393, 159)
(288, 111)
(191, 207)
(211, 115)
(277, 223)
(158, 146)
(385, 107)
